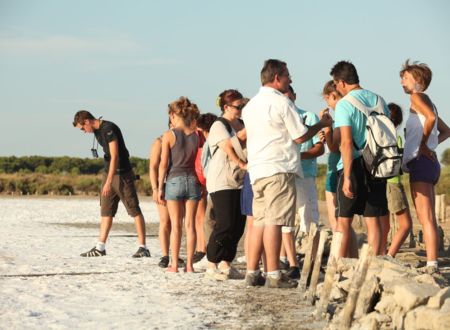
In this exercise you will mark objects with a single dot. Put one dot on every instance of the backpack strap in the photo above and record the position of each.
(225, 122)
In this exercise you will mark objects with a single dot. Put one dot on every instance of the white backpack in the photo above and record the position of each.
(381, 154)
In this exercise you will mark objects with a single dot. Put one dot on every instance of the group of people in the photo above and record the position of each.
(254, 167)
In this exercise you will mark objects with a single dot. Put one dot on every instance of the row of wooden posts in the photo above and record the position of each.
(312, 262)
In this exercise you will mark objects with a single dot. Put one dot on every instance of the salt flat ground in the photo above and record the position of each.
(44, 284)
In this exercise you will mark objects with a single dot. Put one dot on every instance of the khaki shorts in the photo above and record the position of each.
(122, 189)
(396, 197)
(274, 200)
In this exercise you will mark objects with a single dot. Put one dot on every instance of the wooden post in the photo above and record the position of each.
(357, 281)
(309, 256)
(329, 275)
(316, 268)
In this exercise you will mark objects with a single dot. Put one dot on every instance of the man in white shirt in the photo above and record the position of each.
(273, 130)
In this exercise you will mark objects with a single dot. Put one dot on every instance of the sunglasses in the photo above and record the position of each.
(237, 107)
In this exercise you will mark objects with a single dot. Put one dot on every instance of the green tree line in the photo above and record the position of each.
(37, 175)
(62, 165)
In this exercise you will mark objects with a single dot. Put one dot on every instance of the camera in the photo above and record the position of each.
(94, 153)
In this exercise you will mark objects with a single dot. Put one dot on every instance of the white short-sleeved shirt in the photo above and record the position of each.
(272, 126)
(216, 178)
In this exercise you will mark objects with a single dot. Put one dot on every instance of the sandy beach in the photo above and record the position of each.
(45, 284)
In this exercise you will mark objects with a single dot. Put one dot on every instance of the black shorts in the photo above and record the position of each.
(370, 195)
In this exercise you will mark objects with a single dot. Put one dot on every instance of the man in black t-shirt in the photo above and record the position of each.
(118, 181)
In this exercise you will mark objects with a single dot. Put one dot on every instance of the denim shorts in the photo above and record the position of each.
(184, 187)
(424, 169)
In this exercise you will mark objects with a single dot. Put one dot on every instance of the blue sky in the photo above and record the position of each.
(126, 60)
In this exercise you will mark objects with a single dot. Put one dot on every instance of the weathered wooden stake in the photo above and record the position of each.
(329, 275)
(316, 268)
(357, 281)
(308, 257)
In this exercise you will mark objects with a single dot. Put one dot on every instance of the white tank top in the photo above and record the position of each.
(414, 133)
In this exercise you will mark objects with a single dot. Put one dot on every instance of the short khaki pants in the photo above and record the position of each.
(122, 189)
(396, 197)
(274, 200)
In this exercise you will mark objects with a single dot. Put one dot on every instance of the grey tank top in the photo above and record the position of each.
(183, 154)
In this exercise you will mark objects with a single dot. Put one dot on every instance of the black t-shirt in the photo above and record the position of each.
(107, 133)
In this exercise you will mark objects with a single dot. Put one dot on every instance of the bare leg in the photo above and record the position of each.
(199, 218)
(176, 212)
(344, 226)
(255, 248)
(405, 225)
(105, 227)
(272, 245)
(191, 209)
(331, 208)
(289, 247)
(385, 226)
(140, 228)
(164, 229)
(248, 234)
(423, 196)
(373, 233)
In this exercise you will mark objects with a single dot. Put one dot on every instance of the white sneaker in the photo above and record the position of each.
(202, 264)
(215, 274)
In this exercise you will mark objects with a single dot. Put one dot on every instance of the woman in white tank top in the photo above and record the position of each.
(424, 131)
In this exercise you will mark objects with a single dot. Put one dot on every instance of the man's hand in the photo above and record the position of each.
(322, 137)
(326, 120)
(324, 111)
(347, 188)
(106, 188)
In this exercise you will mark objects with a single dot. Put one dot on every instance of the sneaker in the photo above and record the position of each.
(232, 273)
(254, 280)
(164, 262)
(202, 264)
(142, 252)
(198, 256)
(293, 273)
(284, 265)
(215, 274)
(283, 282)
(430, 270)
(94, 253)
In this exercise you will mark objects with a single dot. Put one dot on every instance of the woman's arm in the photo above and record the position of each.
(227, 147)
(444, 130)
(155, 159)
(422, 105)
(167, 141)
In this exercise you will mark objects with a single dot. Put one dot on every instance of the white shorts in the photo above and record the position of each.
(307, 209)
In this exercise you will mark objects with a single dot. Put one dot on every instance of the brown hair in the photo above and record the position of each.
(396, 114)
(184, 109)
(270, 69)
(206, 120)
(81, 116)
(420, 72)
(227, 97)
(330, 88)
